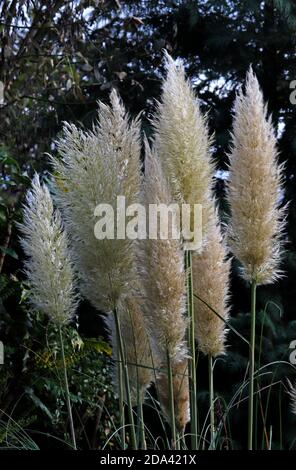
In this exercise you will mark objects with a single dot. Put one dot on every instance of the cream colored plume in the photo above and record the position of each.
(49, 269)
(255, 188)
(138, 353)
(162, 273)
(181, 394)
(96, 167)
(211, 271)
(182, 141)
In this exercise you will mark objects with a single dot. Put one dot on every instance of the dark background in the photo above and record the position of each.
(57, 58)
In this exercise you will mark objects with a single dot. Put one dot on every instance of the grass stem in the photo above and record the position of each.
(141, 424)
(192, 359)
(126, 380)
(121, 401)
(212, 404)
(171, 401)
(72, 431)
(252, 366)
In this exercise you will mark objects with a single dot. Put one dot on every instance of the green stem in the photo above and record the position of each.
(178, 441)
(126, 380)
(182, 441)
(171, 401)
(252, 365)
(141, 424)
(121, 402)
(192, 360)
(212, 403)
(73, 438)
(280, 418)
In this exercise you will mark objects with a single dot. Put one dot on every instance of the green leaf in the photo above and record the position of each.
(9, 252)
(9, 161)
(3, 217)
(99, 346)
(37, 402)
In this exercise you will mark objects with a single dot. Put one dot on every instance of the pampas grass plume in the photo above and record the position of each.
(255, 188)
(211, 270)
(48, 267)
(182, 141)
(96, 167)
(163, 276)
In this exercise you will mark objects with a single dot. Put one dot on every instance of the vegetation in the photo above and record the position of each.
(57, 60)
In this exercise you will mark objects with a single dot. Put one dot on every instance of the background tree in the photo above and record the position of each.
(57, 58)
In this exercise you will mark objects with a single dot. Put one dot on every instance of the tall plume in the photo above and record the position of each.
(163, 274)
(163, 277)
(96, 167)
(182, 141)
(255, 188)
(211, 271)
(48, 267)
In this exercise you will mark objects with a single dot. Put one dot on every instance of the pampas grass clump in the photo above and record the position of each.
(144, 282)
(255, 188)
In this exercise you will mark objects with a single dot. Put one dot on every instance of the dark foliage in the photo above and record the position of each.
(57, 59)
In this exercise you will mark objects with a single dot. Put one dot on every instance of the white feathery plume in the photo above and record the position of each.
(96, 167)
(255, 188)
(162, 271)
(48, 267)
(211, 271)
(163, 277)
(182, 141)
